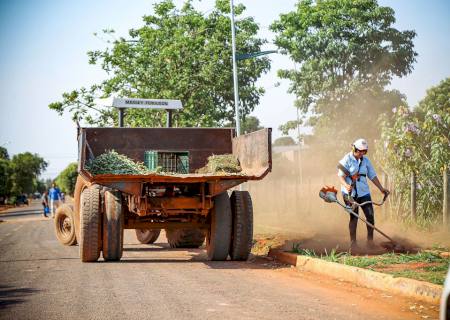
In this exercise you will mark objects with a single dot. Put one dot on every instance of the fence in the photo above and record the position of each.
(425, 196)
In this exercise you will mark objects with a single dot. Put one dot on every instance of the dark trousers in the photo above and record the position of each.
(368, 212)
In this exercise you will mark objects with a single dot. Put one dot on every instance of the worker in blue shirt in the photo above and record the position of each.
(353, 171)
(54, 195)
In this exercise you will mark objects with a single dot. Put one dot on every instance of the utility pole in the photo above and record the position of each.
(300, 171)
(446, 198)
(413, 195)
(235, 75)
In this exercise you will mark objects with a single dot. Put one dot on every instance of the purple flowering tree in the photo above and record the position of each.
(418, 140)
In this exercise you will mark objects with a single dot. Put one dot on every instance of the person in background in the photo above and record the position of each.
(44, 199)
(63, 197)
(54, 194)
(354, 170)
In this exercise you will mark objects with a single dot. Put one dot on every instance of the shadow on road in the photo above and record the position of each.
(199, 256)
(211, 264)
(192, 255)
(22, 213)
(38, 259)
(151, 247)
(253, 263)
(10, 296)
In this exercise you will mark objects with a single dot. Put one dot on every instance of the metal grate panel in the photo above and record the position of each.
(169, 161)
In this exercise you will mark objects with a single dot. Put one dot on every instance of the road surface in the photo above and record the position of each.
(41, 279)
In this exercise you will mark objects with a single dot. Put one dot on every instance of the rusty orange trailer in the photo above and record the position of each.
(189, 206)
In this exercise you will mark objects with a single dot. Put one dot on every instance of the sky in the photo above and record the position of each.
(43, 47)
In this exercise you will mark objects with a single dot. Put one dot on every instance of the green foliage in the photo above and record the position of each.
(347, 52)
(67, 179)
(304, 252)
(112, 162)
(284, 141)
(391, 258)
(19, 175)
(41, 186)
(222, 163)
(25, 168)
(419, 141)
(290, 125)
(4, 153)
(434, 273)
(333, 255)
(178, 54)
(5, 180)
(436, 277)
(248, 124)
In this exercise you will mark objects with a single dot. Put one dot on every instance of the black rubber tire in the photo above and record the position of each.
(112, 226)
(242, 235)
(185, 238)
(90, 225)
(147, 236)
(64, 226)
(218, 237)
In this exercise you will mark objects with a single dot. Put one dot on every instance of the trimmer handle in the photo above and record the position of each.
(372, 202)
(386, 195)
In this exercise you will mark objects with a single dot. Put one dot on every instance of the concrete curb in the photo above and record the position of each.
(419, 290)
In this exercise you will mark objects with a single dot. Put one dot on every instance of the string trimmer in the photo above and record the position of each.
(329, 194)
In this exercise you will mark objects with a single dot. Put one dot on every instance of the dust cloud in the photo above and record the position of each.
(286, 203)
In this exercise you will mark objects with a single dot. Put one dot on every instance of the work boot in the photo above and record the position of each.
(354, 246)
(370, 244)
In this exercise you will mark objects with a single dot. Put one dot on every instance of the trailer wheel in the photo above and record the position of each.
(185, 238)
(219, 235)
(90, 224)
(242, 236)
(147, 236)
(113, 226)
(64, 226)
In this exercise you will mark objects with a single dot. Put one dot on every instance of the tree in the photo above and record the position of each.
(41, 186)
(5, 181)
(251, 124)
(248, 124)
(284, 141)
(25, 167)
(67, 179)
(4, 153)
(347, 52)
(5, 175)
(178, 54)
(419, 141)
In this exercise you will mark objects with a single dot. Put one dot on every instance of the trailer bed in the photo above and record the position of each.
(253, 152)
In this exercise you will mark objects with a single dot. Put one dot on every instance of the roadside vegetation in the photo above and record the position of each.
(19, 176)
(418, 141)
(67, 179)
(430, 265)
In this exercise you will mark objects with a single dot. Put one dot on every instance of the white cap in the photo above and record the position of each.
(361, 144)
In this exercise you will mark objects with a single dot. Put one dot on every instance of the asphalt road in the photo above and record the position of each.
(41, 279)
